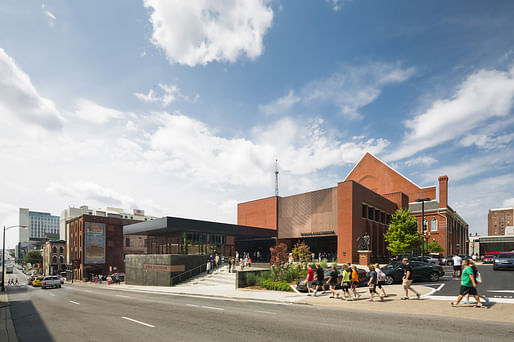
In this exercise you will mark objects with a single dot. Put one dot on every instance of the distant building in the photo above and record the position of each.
(72, 212)
(42, 227)
(95, 245)
(498, 220)
(54, 255)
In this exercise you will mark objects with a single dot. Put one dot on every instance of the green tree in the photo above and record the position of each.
(34, 257)
(301, 252)
(434, 247)
(185, 244)
(402, 234)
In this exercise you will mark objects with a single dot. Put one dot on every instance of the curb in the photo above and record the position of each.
(7, 322)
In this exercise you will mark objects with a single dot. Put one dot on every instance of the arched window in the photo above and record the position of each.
(61, 260)
(433, 225)
(54, 260)
(54, 249)
(61, 249)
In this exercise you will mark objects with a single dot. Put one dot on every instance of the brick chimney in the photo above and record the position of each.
(443, 192)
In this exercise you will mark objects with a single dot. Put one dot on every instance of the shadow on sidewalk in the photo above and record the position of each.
(27, 322)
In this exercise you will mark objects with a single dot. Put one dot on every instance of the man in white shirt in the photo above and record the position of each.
(457, 262)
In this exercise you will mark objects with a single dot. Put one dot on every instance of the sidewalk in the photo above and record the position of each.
(6, 323)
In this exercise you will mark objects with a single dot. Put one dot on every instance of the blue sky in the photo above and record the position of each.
(181, 107)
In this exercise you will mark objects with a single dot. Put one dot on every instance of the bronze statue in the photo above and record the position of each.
(363, 242)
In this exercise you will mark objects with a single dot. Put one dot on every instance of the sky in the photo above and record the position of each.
(181, 108)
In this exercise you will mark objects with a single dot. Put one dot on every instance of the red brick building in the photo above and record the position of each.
(498, 220)
(96, 245)
(331, 220)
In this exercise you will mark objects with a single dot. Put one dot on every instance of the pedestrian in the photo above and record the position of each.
(242, 264)
(118, 279)
(229, 265)
(100, 279)
(381, 277)
(249, 262)
(332, 282)
(109, 279)
(233, 265)
(208, 267)
(217, 260)
(478, 279)
(309, 279)
(237, 256)
(345, 283)
(372, 283)
(96, 279)
(355, 282)
(407, 279)
(468, 285)
(320, 277)
(457, 262)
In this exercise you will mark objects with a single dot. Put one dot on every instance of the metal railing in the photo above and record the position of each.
(188, 274)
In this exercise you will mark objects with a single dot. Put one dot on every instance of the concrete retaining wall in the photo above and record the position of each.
(158, 269)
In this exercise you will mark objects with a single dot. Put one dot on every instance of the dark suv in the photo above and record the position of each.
(421, 271)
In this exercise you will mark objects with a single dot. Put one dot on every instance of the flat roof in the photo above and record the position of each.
(166, 225)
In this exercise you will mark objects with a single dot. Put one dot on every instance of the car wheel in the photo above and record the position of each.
(389, 280)
(59, 286)
(434, 276)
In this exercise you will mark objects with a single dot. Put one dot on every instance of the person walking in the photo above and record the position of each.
(332, 282)
(477, 277)
(407, 279)
(309, 279)
(229, 264)
(100, 278)
(468, 285)
(355, 282)
(320, 277)
(457, 262)
(372, 282)
(208, 267)
(380, 281)
(109, 279)
(233, 265)
(345, 283)
(217, 260)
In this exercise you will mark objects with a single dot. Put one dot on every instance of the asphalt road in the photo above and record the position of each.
(81, 313)
(496, 284)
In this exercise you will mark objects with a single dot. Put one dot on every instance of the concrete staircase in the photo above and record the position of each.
(220, 277)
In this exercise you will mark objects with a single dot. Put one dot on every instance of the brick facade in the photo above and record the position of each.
(498, 220)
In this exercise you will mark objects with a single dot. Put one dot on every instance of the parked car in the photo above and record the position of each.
(488, 259)
(449, 259)
(504, 261)
(50, 281)
(401, 256)
(301, 285)
(61, 279)
(421, 271)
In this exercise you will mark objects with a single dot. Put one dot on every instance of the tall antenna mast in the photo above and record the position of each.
(276, 177)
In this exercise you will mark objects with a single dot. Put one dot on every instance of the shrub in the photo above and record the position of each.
(251, 279)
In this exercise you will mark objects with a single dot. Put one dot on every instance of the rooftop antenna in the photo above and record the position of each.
(276, 177)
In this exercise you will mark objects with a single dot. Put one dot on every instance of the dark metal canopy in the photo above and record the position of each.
(168, 225)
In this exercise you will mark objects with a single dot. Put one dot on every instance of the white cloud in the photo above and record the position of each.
(21, 102)
(486, 94)
(280, 105)
(203, 31)
(509, 202)
(352, 88)
(94, 113)
(487, 142)
(336, 5)
(89, 192)
(170, 93)
(50, 16)
(424, 161)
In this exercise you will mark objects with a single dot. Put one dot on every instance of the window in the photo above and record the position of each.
(61, 249)
(433, 225)
(127, 242)
(61, 260)
(364, 210)
(377, 215)
(382, 217)
(54, 260)
(54, 250)
(370, 213)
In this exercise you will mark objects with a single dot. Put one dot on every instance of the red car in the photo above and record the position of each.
(488, 259)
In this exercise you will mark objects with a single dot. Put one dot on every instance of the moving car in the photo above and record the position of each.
(36, 282)
(301, 285)
(488, 259)
(504, 261)
(50, 281)
(421, 271)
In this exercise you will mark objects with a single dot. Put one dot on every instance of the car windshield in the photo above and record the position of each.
(388, 267)
(506, 255)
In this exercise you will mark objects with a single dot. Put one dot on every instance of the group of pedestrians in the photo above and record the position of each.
(12, 282)
(348, 279)
(470, 277)
(213, 262)
(243, 261)
(111, 279)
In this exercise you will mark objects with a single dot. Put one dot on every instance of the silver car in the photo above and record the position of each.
(504, 261)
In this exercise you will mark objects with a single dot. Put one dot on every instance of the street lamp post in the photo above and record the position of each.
(423, 200)
(3, 253)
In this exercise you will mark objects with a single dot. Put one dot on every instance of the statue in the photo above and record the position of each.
(363, 242)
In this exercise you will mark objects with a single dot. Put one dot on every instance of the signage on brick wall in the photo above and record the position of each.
(95, 243)
(326, 232)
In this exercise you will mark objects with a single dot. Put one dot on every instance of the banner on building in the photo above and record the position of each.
(95, 243)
